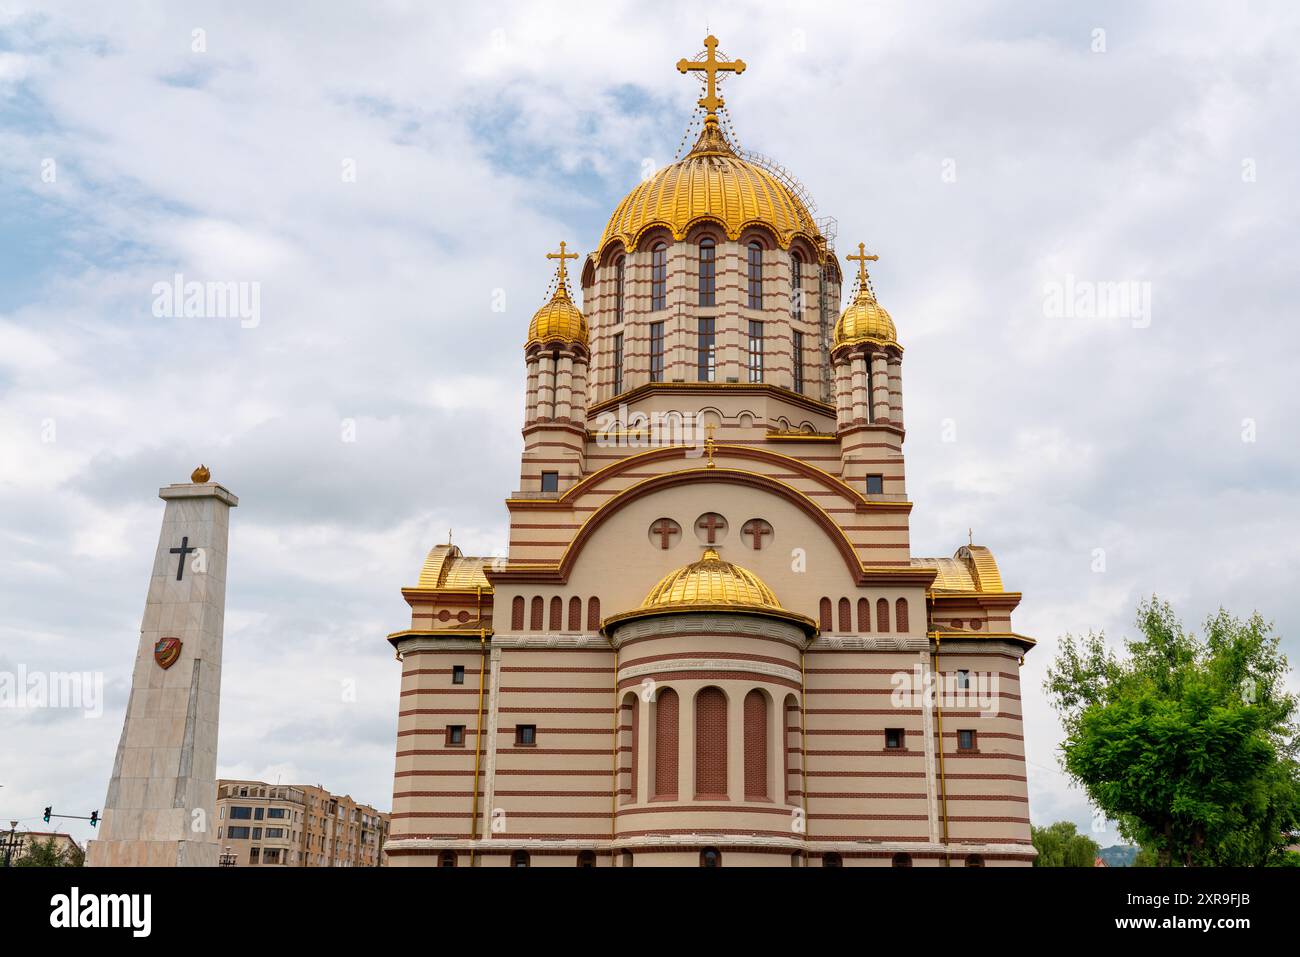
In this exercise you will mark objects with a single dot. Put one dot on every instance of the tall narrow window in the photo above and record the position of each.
(796, 285)
(755, 275)
(659, 276)
(666, 744)
(708, 272)
(620, 265)
(755, 351)
(798, 361)
(656, 352)
(618, 363)
(708, 343)
(711, 743)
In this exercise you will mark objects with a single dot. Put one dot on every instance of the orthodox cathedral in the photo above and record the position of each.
(710, 644)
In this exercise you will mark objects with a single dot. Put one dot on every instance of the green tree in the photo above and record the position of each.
(1187, 743)
(1060, 845)
(48, 854)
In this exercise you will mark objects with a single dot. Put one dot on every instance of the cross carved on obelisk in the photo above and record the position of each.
(711, 66)
(562, 256)
(182, 552)
(862, 259)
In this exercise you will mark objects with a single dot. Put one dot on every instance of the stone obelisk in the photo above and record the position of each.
(161, 804)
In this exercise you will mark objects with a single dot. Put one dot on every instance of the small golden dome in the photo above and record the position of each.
(201, 475)
(712, 183)
(865, 320)
(558, 321)
(711, 581)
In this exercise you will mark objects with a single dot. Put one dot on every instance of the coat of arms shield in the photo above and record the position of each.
(166, 651)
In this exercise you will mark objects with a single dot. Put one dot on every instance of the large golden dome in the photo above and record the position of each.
(558, 321)
(711, 581)
(865, 320)
(712, 584)
(711, 184)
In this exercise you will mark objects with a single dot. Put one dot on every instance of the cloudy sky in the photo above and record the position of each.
(386, 173)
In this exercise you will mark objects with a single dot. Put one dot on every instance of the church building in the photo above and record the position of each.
(710, 643)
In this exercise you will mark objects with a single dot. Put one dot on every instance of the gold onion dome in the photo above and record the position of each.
(865, 320)
(712, 184)
(713, 584)
(559, 320)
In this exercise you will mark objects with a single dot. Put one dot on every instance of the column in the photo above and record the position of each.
(564, 388)
(860, 396)
(530, 398)
(546, 387)
(896, 390)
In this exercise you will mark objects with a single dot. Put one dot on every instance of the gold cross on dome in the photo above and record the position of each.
(711, 67)
(862, 259)
(562, 256)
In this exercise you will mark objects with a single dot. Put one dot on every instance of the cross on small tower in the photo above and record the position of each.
(708, 446)
(182, 552)
(665, 528)
(711, 67)
(710, 523)
(562, 256)
(970, 537)
(862, 259)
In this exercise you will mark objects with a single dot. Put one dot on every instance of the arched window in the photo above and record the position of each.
(846, 615)
(711, 743)
(831, 859)
(975, 860)
(620, 270)
(593, 614)
(557, 613)
(902, 860)
(708, 272)
(535, 617)
(575, 613)
(864, 615)
(796, 859)
(882, 616)
(517, 613)
(627, 859)
(900, 615)
(796, 284)
(666, 744)
(659, 276)
(586, 858)
(756, 746)
(755, 274)
(710, 857)
(519, 859)
(825, 612)
(447, 859)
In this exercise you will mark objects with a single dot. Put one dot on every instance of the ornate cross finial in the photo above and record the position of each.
(862, 259)
(562, 256)
(970, 537)
(708, 443)
(711, 67)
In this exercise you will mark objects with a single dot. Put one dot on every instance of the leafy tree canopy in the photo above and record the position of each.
(1189, 743)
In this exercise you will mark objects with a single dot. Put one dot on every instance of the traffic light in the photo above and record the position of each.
(94, 818)
(47, 814)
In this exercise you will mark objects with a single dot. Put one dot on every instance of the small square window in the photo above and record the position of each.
(875, 484)
(550, 481)
(458, 674)
(966, 740)
(455, 735)
(893, 739)
(963, 679)
(525, 734)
